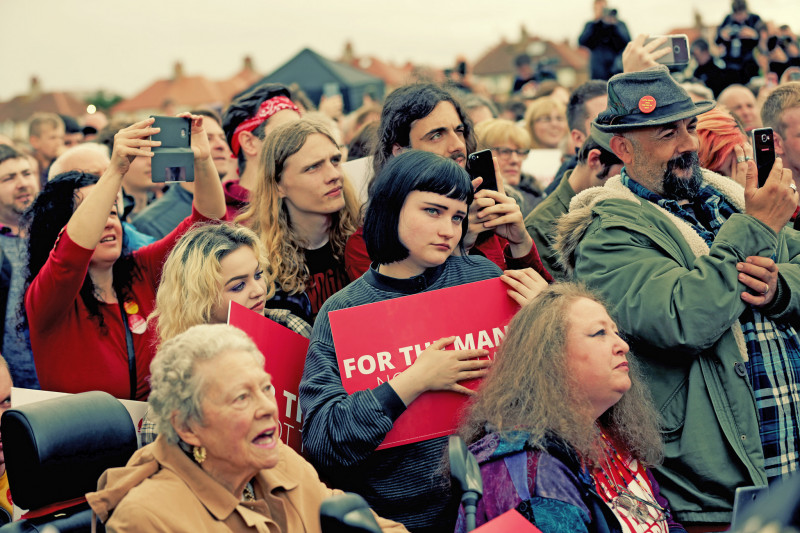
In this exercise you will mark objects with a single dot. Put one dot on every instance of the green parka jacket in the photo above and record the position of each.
(679, 302)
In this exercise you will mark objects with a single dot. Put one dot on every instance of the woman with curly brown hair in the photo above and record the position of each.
(569, 441)
(303, 210)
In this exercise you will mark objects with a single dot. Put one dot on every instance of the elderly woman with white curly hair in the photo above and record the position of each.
(218, 463)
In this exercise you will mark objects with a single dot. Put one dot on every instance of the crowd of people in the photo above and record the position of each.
(653, 366)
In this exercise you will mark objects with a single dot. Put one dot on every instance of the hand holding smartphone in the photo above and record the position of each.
(481, 164)
(763, 140)
(174, 159)
(678, 55)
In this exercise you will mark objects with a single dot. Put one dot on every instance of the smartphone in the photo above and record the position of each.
(174, 159)
(678, 56)
(481, 164)
(763, 140)
(331, 89)
(744, 501)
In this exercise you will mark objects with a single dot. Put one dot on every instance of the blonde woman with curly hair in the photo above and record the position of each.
(303, 210)
(570, 441)
(211, 266)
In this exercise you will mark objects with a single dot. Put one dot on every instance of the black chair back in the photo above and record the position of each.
(56, 450)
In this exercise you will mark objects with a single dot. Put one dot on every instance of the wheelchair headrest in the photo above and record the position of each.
(55, 450)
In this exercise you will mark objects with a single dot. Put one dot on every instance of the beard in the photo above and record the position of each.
(680, 188)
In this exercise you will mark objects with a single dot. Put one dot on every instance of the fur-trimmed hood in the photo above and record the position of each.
(572, 226)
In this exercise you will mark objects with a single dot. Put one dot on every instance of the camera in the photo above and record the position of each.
(734, 30)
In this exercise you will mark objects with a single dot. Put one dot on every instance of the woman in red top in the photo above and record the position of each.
(87, 299)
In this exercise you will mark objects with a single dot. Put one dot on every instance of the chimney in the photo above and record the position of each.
(36, 87)
(178, 70)
(698, 20)
(348, 54)
(248, 63)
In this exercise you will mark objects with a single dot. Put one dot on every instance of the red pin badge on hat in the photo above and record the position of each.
(647, 104)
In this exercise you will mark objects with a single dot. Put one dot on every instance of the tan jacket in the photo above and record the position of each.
(161, 489)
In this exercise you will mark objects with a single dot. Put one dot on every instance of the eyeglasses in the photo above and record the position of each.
(548, 119)
(505, 153)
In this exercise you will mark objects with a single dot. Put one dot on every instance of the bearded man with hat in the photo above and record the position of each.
(704, 276)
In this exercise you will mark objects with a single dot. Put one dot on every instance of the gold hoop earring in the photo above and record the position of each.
(199, 454)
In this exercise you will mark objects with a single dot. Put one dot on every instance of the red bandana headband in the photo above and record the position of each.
(265, 110)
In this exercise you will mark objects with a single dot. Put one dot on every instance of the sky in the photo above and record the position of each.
(123, 46)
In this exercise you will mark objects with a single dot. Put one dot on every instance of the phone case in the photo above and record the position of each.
(678, 55)
(481, 164)
(174, 159)
(172, 165)
(176, 132)
(763, 141)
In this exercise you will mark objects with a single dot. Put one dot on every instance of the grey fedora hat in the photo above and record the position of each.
(644, 99)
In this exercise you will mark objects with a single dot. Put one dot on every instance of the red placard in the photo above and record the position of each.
(508, 521)
(285, 354)
(375, 342)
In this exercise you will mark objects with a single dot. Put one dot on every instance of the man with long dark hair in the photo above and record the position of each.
(427, 117)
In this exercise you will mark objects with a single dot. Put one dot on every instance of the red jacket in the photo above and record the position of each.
(71, 353)
(236, 198)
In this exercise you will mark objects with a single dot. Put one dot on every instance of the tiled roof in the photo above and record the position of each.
(392, 75)
(185, 91)
(499, 59)
(189, 91)
(21, 108)
(237, 83)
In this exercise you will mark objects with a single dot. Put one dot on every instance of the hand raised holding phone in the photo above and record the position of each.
(174, 159)
(776, 201)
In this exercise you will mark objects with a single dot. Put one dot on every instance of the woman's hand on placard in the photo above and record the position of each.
(523, 285)
(439, 369)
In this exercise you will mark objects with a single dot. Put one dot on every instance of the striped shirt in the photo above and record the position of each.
(341, 431)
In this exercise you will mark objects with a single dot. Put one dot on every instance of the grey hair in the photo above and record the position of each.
(175, 390)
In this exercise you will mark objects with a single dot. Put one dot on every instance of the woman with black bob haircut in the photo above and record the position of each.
(415, 220)
(86, 297)
(424, 172)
